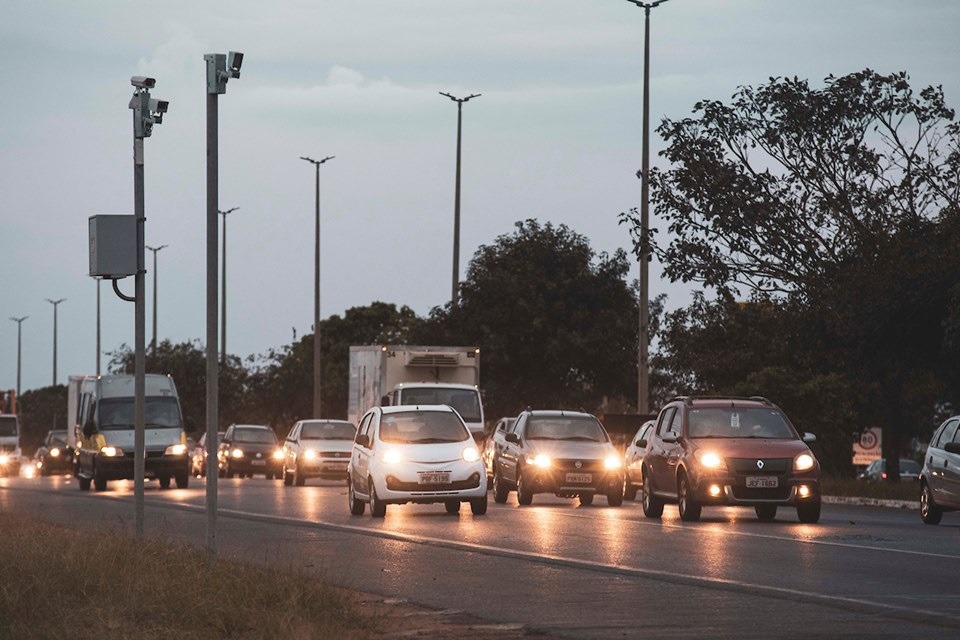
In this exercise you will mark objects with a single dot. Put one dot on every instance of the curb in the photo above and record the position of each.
(872, 502)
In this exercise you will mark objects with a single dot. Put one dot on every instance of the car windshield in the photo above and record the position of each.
(8, 426)
(909, 466)
(565, 428)
(465, 401)
(739, 422)
(58, 439)
(328, 431)
(422, 427)
(160, 411)
(254, 436)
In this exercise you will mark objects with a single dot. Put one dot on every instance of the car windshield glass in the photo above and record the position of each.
(117, 413)
(422, 427)
(328, 431)
(909, 466)
(8, 426)
(739, 422)
(465, 401)
(565, 428)
(58, 439)
(254, 436)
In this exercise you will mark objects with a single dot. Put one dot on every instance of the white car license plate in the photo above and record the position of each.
(580, 478)
(762, 482)
(434, 477)
(258, 463)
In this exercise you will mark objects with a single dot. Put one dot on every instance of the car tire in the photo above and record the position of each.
(615, 496)
(183, 480)
(84, 483)
(356, 506)
(452, 506)
(766, 512)
(478, 506)
(586, 499)
(99, 482)
(629, 489)
(687, 505)
(524, 495)
(652, 505)
(288, 478)
(500, 491)
(809, 512)
(164, 481)
(378, 509)
(298, 478)
(930, 513)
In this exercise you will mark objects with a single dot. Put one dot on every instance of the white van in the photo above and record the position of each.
(105, 438)
(9, 444)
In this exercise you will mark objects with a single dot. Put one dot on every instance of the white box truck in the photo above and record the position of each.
(411, 375)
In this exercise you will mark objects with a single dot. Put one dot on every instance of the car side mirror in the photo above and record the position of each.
(670, 436)
(952, 447)
(809, 437)
(512, 437)
(642, 442)
(363, 440)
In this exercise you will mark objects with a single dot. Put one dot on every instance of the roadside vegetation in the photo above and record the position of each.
(62, 583)
(851, 487)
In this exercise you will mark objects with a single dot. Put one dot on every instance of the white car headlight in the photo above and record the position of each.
(237, 453)
(540, 460)
(392, 456)
(176, 450)
(612, 462)
(111, 452)
(310, 454)
(4, 458)
(470, 454)
(278, 454)
(803, 462)
(711, 460)
(54, 452)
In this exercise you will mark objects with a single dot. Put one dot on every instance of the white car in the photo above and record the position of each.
(422, 454)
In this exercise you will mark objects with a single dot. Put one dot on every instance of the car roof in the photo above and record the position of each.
(325, 421)
(557, 413)
(251, 426)
(403, 408)
(716, 402)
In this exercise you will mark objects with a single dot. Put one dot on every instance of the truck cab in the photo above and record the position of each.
(464, 398)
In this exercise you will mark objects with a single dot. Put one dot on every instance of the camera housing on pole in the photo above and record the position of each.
(220, 68)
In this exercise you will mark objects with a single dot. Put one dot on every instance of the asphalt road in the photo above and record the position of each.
(560, 569)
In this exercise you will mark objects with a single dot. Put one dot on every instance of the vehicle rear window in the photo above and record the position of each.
(565, 428)
(254, 436)
(739, 422)
(422, 427)
(328, 431)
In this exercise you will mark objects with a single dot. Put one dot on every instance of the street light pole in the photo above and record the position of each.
(223, 290)
(155, 250)
(456, 201)
(55, 303)
(220, 68)
(98, 324)
(643, 337)
(317, 401)
(19, 322)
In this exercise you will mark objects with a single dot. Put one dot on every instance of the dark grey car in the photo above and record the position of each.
(940, 478)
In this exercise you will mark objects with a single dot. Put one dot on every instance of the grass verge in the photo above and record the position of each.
(879, 490)
(58, 583)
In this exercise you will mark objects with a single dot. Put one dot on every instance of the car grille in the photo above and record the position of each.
(333, 454)
(743, 493)
(586, 466)
(748, 466)
(470, 483)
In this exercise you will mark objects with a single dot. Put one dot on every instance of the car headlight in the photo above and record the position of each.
(540, 460)
(111, 452)
(278, 454)
(4, 458)
(310, 454)
(237, 453)
(470, 454)
(803, 462)
(612, 462)
(176, 450)
(391, 456)
(711, 460)
(54, 452)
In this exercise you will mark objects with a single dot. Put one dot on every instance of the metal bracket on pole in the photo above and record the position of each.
(121, 294)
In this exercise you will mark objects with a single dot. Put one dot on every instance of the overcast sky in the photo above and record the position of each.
(555, 136)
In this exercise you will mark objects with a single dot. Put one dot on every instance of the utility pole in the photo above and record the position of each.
(55, 303)
(19, 322)
(155, 250)
(223, 290)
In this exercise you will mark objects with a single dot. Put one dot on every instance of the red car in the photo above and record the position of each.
(729, 451)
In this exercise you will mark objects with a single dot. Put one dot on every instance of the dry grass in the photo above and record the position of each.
(60, 583)
(881, 490)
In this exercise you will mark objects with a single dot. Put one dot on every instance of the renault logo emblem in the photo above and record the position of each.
(759, 464)
(578, 464)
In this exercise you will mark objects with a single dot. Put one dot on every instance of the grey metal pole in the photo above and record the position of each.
(223, 290)
(19, 322)
(55, 303)
(155, 250)
(98, 325)
(456, 200)
(139, 368)
(317, 388)
(213, 390)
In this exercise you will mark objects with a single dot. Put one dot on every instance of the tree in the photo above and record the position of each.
(41, 410)
(556, 323)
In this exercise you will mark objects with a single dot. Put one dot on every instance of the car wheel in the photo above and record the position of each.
(524, 495)
(377, 508)
(500, 491)
(689, 508)
(629, 489)
(809, 512)
(766, 512)
(84, 483)
(929, 511)
(99, 482)
(615, 496)
(288, 478)
(586, 499)
(183, 480)
(298, 478)
(164, 482)
(356, 506)
(652, 505)
(452, 506)
(478, 506)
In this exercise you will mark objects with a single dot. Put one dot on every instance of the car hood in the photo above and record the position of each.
(254, 447)
(153, 438)
(752, 447)
(564, 449)
(434, 452)
(343, 446)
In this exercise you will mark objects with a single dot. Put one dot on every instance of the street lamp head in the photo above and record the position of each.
(317, 162)
(459, 100)
(55, 302)
(143, 82)
(230, 210)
